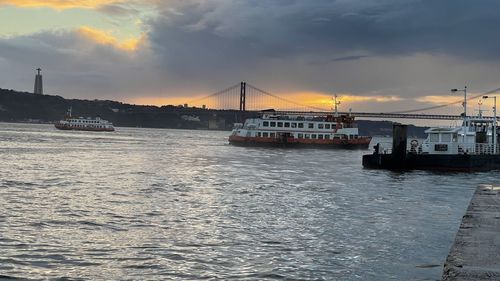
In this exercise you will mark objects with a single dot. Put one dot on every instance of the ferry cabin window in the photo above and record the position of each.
(307, 136)
(294, 125)
(287, 125)
(265, 123)
(310, 125)
(273, 124)
(300, 136)
(313, 136)
(301, 125)
(280, 124)
(327, 126)
(446, 137)
(320, 126)
(320, 137)
(272, 135)
(265, 135)
(327, 137)
(434, 137)
(258, 134)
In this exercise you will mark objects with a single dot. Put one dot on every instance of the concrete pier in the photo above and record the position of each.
(475, 254)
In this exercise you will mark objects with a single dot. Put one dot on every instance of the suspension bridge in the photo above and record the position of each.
(245, 97)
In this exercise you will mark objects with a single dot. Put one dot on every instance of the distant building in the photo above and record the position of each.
(38, 83)
(191, 118)
(212, 124)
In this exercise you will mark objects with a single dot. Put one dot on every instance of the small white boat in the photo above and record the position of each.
(84, 124)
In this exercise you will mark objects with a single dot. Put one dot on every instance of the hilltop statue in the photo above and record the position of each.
(38, 83)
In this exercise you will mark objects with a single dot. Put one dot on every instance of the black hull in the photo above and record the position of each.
(461, 162)
(300, 145)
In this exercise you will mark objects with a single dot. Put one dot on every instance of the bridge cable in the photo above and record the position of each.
(215, 94)
(444, 105)
(283, 99)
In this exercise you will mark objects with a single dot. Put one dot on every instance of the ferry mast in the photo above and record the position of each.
(336, 105)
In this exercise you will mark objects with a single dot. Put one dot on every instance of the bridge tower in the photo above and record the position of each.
(243, 92)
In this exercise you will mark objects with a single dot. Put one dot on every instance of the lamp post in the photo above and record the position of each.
(494, 122)
(465, 107)
(465, 98)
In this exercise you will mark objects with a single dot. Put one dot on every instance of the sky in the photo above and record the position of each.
(378, 55)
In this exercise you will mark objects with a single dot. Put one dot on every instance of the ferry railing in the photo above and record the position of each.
(477, 148)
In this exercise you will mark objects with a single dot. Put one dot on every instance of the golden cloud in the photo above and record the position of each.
(326, 101)
(438, 99)
(59, 4)
(105, 38)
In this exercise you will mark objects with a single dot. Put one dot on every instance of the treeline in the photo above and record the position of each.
(27, 107)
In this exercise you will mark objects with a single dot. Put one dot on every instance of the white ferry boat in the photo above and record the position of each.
(331, 131)
(84, 124)
(471, 146)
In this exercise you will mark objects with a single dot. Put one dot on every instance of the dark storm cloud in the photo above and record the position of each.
(339, 59)
(266, 41)
(245, 31)
(76, 66)
(384, 47)
(58, 50)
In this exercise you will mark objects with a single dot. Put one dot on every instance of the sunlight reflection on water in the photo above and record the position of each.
(175, 204)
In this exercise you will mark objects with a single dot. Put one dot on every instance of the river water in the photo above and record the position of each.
(185, 205)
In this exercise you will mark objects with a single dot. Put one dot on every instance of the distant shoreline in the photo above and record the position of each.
(22, 107)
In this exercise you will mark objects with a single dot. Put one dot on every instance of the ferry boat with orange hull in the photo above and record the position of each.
(331, 131)
(84, 124)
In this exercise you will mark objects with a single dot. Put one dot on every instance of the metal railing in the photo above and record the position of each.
(478, 148)
(473, 148)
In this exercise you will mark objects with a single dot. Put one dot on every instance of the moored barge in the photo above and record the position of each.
(470, 147)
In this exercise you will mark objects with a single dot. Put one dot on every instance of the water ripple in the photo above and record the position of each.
(173, 204)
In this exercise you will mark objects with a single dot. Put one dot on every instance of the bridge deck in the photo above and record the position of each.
(381, 115)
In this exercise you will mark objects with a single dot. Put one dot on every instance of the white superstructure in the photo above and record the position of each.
(475, 136)
(298, 127)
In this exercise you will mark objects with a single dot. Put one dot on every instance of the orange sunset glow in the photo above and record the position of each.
(306, 99)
